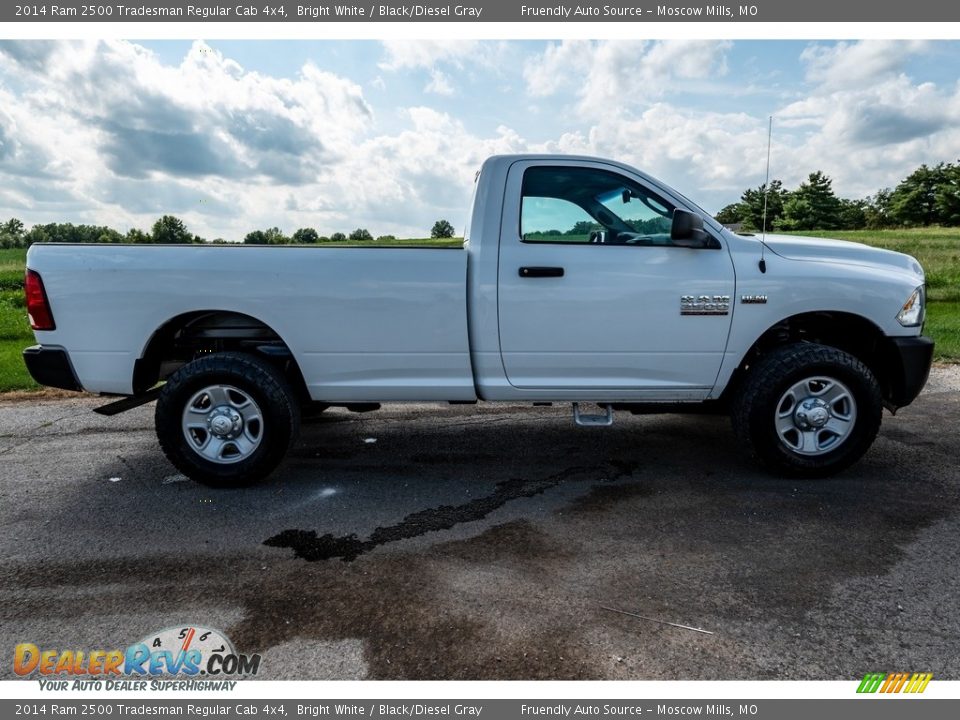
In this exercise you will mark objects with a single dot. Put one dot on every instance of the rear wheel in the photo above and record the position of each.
(227, 420)
(808, 410)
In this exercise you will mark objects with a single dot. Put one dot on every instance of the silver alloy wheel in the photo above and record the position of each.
(815, 415)
(222, 424)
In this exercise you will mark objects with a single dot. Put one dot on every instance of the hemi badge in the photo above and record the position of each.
(753, 299)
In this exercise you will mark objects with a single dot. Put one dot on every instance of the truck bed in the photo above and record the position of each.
(362, 323)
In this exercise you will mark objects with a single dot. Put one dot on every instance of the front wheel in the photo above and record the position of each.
(808, 410)
(227, 420)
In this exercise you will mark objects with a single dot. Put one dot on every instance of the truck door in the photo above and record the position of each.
(590, 287)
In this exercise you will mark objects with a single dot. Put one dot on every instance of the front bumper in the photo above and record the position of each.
(906, 365)
(51, 366)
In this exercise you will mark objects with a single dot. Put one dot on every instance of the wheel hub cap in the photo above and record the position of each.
(815, 415)
(222, 424)
(812, 413)
(225, 422)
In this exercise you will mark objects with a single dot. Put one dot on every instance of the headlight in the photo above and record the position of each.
(911, 314)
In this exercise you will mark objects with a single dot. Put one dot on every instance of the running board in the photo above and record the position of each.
(593, 420)
(128, 403)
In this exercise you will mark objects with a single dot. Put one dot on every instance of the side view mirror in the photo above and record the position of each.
(687, 231)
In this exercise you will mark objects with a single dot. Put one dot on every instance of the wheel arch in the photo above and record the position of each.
(189, 335)
(852, 333)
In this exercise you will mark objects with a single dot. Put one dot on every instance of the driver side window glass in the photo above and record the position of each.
(585, 205)
(650, 218)
(546, 219)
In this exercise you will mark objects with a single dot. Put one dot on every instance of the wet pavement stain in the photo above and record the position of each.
(310, 546)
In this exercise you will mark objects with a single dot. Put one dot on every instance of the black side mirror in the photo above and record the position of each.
(687, 231)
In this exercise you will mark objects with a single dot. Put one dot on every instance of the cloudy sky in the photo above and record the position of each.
(237, 135)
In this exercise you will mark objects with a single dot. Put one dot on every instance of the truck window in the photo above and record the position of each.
(586, 205)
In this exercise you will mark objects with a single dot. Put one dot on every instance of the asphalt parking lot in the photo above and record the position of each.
(425, 542)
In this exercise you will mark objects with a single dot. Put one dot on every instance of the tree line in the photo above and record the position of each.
(171, 230)
(927, 196)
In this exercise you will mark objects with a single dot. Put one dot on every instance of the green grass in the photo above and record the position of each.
(937, 249)
(15, 332)
(13, 373)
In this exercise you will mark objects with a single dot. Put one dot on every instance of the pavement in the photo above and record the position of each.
(491, 542)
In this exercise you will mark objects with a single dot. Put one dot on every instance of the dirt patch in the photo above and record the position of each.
(44, 394)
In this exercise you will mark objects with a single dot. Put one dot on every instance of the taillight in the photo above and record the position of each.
(38, 309)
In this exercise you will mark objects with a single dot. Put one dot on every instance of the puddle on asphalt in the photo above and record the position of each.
(309, 545)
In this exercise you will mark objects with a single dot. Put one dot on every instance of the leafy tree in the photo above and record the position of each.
(338, 237)
(306, 236)
(914, 200)
(583, 227)
(12, 234)
(170, 230)
(323, 239)
(256, 237)
(138, 236)
(70, 233)
(852, 215)
(276, 237)
(441, 229)
(382, 238)
(360, 235)
(731, 214)
(13, 227)
(948, 196)
(877, 210)
(751, 204)
(812, 206)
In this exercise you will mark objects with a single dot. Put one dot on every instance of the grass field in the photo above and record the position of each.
(15, 333)
(937, 249)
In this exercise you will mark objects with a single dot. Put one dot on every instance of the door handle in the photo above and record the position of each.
(530, 272)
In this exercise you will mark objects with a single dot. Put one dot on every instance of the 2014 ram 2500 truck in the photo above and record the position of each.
(580, 280)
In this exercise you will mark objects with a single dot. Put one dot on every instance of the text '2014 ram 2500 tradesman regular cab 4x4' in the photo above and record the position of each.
(580, 280)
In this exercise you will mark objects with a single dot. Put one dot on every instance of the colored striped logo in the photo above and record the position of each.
(894, 682)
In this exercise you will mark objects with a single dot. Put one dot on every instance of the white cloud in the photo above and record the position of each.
(439, 84)
(546, 73)
(865, 121)
(404, 54)
(98, 111)
(614, 75)
(853, 65)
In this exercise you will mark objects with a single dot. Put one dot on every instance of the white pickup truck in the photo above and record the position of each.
(580, 280)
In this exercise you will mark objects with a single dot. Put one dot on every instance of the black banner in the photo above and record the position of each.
(637, 11)
(852, 709)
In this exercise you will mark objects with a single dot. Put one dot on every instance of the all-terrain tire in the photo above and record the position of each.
(241, 395)
(784, 388)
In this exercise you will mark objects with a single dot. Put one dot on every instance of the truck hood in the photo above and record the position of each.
(794, 247)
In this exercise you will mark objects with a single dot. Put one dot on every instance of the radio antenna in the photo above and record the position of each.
(766, 191)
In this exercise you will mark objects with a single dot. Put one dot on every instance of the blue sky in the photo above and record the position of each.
(237, 135)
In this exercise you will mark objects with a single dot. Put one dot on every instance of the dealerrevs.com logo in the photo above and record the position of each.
(173, 659)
